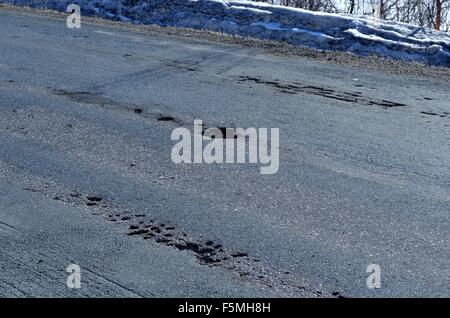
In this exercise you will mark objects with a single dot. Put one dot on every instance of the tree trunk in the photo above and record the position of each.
(352, 6)
(438, 14)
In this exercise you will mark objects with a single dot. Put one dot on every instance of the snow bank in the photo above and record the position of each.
(323, 31)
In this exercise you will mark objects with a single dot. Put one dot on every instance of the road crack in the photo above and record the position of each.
(299, 88)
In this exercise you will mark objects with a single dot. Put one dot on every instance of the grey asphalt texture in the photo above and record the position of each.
(85, 158)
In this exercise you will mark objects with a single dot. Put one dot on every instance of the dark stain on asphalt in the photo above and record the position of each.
(299, 88)
(239, 254)
(184, 66)
(85, 97)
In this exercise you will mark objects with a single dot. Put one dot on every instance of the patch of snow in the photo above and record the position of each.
(313, 33)
(254, 10)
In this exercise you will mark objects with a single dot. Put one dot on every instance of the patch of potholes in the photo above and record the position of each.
(89, 98)
(108, 103)
(299, 88)
(219, 132)
(206, 251)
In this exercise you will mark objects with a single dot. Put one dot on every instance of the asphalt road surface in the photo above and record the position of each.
(86, 118)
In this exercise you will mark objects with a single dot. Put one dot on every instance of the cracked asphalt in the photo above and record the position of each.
(86, 176)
